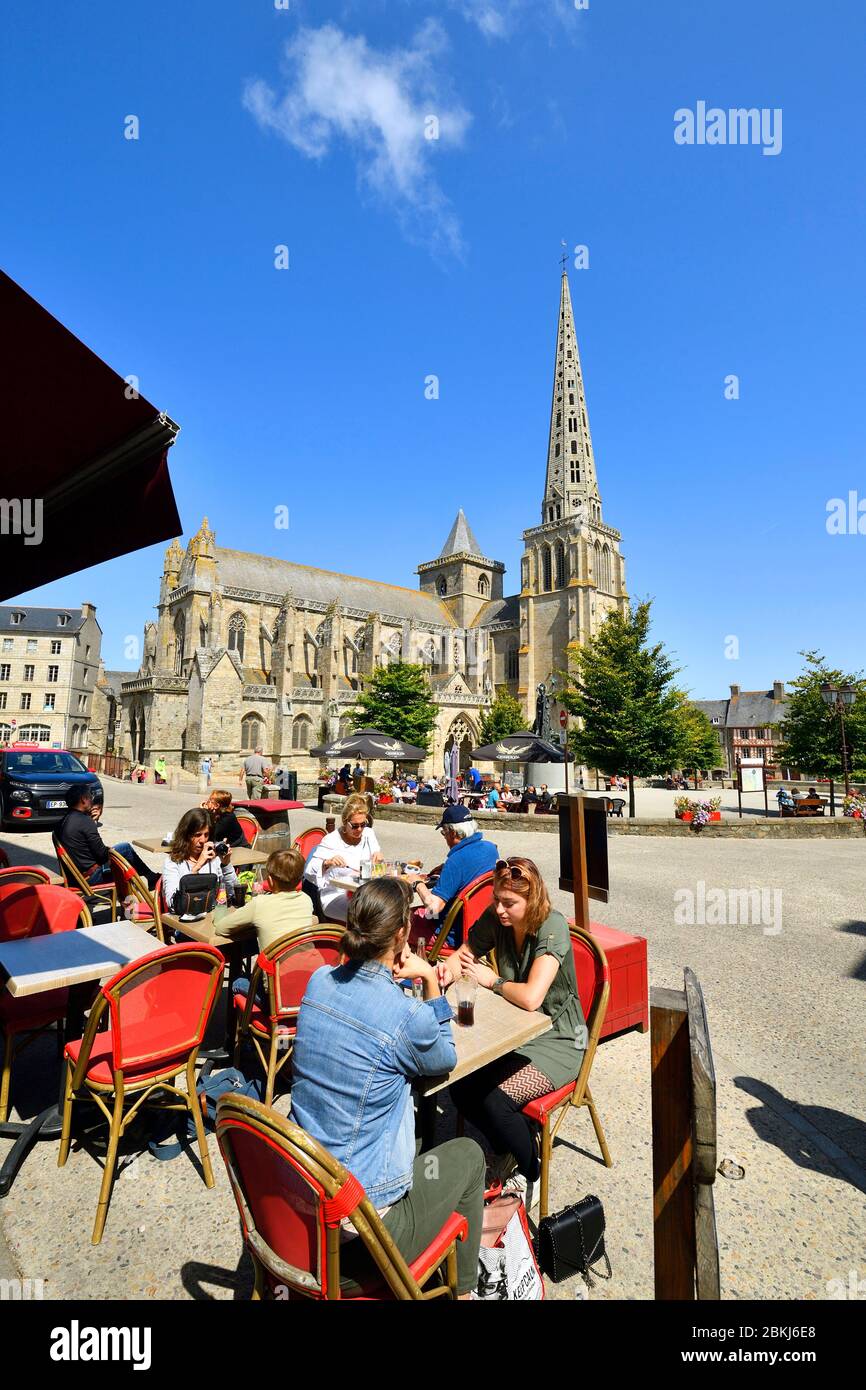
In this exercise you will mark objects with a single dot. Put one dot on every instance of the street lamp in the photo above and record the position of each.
(838, 696)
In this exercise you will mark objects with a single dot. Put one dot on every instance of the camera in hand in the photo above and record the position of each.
(220, 848)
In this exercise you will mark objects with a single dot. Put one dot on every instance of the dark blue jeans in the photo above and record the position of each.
(103, 874)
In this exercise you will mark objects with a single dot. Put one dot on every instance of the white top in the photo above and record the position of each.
(335, 901)
(172, 874)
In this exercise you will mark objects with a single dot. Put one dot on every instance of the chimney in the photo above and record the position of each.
(88, 610)
(735, 692)
(778, 690)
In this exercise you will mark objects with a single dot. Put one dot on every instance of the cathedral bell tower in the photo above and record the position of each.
(572, 573)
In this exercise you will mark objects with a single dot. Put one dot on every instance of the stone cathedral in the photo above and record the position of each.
(251, 651)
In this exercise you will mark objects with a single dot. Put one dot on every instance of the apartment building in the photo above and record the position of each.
(49, 661)
(747, 725)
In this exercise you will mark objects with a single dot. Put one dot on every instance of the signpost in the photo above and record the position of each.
(583, 867)
(751, 777)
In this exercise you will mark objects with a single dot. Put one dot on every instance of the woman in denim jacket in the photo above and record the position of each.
(361, 1041)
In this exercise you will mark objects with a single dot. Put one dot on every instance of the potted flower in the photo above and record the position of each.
(383, 793)
(855, 805)
(715, 805)
(683, 808)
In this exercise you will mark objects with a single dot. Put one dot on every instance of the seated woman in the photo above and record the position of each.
(346, 848)
(361, 1041)
(536, 971)
(225, 823)
(192, 852)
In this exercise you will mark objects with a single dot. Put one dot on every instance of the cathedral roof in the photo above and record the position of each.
(461, 539)
(264, 574)
(499, 610)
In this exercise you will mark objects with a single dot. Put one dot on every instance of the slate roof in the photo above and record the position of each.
(461, 539)
(262, 573)
(753, 709)
(115, 679)
(42, 620)
(499, 610)
(715, 710)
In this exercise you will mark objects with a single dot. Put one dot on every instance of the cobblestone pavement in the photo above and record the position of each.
(786, 1013)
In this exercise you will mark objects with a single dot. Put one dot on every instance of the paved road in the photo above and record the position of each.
(786, 1010)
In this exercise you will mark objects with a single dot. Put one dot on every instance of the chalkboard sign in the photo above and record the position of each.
(594, 818)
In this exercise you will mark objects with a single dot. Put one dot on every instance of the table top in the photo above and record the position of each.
(242, 856)
(499, 1028)
(204, 930)
(270, 803)
(40, 963)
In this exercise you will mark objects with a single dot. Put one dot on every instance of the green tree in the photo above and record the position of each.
(505, 716)
(700, 743)
(622, 690)
(397, 700)
(811, 731)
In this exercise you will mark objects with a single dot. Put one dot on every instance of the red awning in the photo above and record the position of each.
(76, 440)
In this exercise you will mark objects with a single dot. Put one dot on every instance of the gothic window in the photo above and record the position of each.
(574, 446)
(548, 570)
(524, 574)
(575, 473)
(558, 418)
(442, 587)
(569, 354)
(571, 399)
(237, 631)
(560, 566)
(301, 733)
(512, 663)
(605, 570)
(179, 643)
(483, 585)
(202, 634)
(252, 735)
(556, 452)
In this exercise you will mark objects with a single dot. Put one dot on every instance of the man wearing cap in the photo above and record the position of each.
(469, 856)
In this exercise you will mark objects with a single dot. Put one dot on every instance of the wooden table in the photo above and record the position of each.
(499, 1028)
(74, 960)
(242, 855)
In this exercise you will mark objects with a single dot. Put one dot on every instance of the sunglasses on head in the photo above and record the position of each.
(514, 869)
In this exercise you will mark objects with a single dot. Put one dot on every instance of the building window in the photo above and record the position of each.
(483, 586)
(512, 663)
(48, 703)
(29, 672)
(7, 644)
(31, 644)
(53, 675)
(5, 670)
(575, 473)
(442, 587)
(560, 566)
(3, 698)
(55, 647)
(35, 733)
(86, 653)
(17, 619)
(547, 569)
(251, 733)
(5, 732)
(237, 634)
(558, 419)
(25, 700)
(301, 733)
(556, 451)
(571, 398)
(62, 619)
(179, 643)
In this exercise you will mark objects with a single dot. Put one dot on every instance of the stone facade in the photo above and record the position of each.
(248, 650)
(49, 663)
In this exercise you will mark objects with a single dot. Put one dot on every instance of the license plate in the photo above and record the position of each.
(55, 805)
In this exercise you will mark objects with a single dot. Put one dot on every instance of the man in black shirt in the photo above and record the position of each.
(79, 836)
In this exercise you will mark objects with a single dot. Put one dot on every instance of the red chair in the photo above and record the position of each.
(593, 987)
(285, 967)
(25, 873)
(4, 859)
(472, 901)
(292, 1196)
(307, 841)
(249, 825)
(158, 1010)
(27, 911)
(95, 895)
(129, 884)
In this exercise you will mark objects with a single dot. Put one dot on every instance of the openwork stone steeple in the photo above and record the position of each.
(571, 486)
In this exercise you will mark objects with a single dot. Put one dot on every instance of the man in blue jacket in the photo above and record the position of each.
(469, 856)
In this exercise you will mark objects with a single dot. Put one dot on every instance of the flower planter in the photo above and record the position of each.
(685, 815)
(715, 815)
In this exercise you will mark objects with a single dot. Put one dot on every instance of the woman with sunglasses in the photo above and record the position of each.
(535, 965)
(345, 848)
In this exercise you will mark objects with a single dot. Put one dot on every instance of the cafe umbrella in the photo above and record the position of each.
(371, 745)
(524, 747)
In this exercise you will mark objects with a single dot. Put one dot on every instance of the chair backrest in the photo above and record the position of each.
(160, 1005)
(593, 979)
(288, 963)
(249, 825)
(292, 1195)
(72, 875)
(39, 909)
(471, 902)
(129, 883)
(307, 841)
(25, 873)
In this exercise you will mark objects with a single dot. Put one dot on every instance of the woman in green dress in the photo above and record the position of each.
(535, 971)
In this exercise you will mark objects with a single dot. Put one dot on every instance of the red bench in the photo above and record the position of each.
(628, 1006)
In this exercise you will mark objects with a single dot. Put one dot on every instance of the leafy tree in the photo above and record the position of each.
(397, 700)
(700, 744)
(811, 731)
(622, 690)
(504, 717)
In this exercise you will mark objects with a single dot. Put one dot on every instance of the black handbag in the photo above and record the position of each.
(572, 1241)
(196, 894)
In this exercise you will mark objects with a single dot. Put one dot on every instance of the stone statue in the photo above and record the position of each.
(149, 648)
(540, 711)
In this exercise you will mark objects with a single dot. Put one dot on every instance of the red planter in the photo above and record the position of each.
(685, 815)
(715, 815)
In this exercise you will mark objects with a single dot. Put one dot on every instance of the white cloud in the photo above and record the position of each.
(339, 88)
(497, 19)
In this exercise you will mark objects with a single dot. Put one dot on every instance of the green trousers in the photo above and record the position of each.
(445, 1179)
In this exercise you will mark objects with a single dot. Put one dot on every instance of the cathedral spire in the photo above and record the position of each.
(571, 479)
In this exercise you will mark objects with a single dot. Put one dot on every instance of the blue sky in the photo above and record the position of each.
(409, 257)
